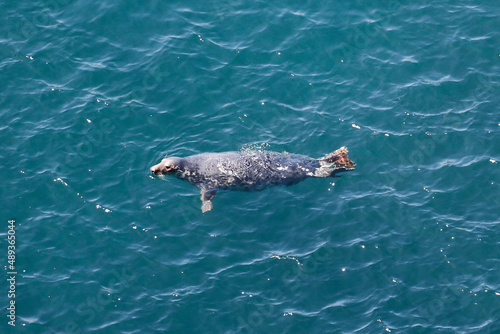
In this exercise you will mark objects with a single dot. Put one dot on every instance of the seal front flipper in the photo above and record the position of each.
(206, 199)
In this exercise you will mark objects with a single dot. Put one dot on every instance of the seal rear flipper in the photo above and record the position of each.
(338, 158)
(206, 199)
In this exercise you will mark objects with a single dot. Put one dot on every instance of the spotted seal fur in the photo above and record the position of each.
(249, 170)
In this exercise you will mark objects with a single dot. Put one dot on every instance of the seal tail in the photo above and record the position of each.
(338, 159)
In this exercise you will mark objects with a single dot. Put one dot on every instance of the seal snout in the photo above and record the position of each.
(156, 170)
(166, 166)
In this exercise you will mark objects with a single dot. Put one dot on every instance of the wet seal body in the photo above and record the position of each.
(250, 170)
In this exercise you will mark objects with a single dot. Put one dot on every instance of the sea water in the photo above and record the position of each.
(94, 93)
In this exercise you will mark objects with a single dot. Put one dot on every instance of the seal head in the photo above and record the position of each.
(170, 165)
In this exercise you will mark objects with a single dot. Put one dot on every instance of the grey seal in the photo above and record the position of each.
(251, 170)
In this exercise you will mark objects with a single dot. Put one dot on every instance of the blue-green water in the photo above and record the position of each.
(94, 93)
